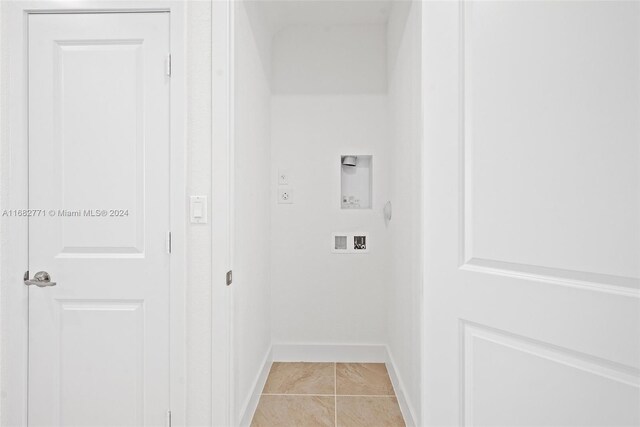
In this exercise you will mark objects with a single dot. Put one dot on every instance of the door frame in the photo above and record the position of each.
(222, 163)
(14, 298)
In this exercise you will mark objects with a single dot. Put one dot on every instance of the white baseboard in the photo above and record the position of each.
(250, 405)
(372, 353)
(405, 407)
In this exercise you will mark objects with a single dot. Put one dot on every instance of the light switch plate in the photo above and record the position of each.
(198, 209)
(285, 195)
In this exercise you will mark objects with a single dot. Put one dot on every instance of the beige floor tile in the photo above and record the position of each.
(298, 411)
(363, 379)
(301, 378)
(368, 411)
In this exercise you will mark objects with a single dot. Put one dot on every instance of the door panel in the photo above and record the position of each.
(109, 75)
(119, 381)
(499, 364)
(549, 114)
(532, 199)
(99, 168)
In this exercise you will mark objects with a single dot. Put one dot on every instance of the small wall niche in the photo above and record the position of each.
(356, 181)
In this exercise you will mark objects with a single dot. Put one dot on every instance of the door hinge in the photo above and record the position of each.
(168, 418)
(229, 277)
(168, 65)
(168, 242)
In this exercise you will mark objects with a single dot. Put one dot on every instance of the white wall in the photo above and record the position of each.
(3, 196)
(405, 228)
(199, 236)
(320, 297)
(322, 59)
(336, 105)
(251, 265)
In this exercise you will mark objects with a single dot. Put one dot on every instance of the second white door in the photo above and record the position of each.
(532, 188)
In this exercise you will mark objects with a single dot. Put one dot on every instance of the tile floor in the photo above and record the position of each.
(328, 394)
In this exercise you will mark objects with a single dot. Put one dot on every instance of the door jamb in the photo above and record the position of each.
(14, 195)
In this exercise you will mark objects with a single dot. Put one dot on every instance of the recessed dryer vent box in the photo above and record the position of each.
(356, 173)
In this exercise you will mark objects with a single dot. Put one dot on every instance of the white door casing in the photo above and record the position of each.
(222, 96)
(99, 139)
(532, 201)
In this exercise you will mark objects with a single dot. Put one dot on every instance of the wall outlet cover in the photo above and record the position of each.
(285, 195)
(283, 177)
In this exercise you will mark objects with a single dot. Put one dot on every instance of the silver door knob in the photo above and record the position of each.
(41, 279)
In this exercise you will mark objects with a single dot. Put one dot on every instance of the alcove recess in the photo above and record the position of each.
(356, 181)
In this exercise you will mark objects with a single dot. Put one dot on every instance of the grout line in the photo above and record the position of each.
(298, 394)
(335, 392)
(328, 395)
(366, 395)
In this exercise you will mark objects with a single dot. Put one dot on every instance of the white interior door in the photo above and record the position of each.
(532, 136)
(99, 141)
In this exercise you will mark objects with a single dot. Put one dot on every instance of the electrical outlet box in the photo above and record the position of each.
(285, 195)
(283, 177)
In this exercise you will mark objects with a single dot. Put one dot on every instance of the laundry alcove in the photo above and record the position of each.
(315, 82)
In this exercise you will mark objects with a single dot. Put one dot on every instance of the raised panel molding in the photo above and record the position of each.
(104, 339)
(623, 286)
(472, 334)
(120, 236)
(468, 260)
